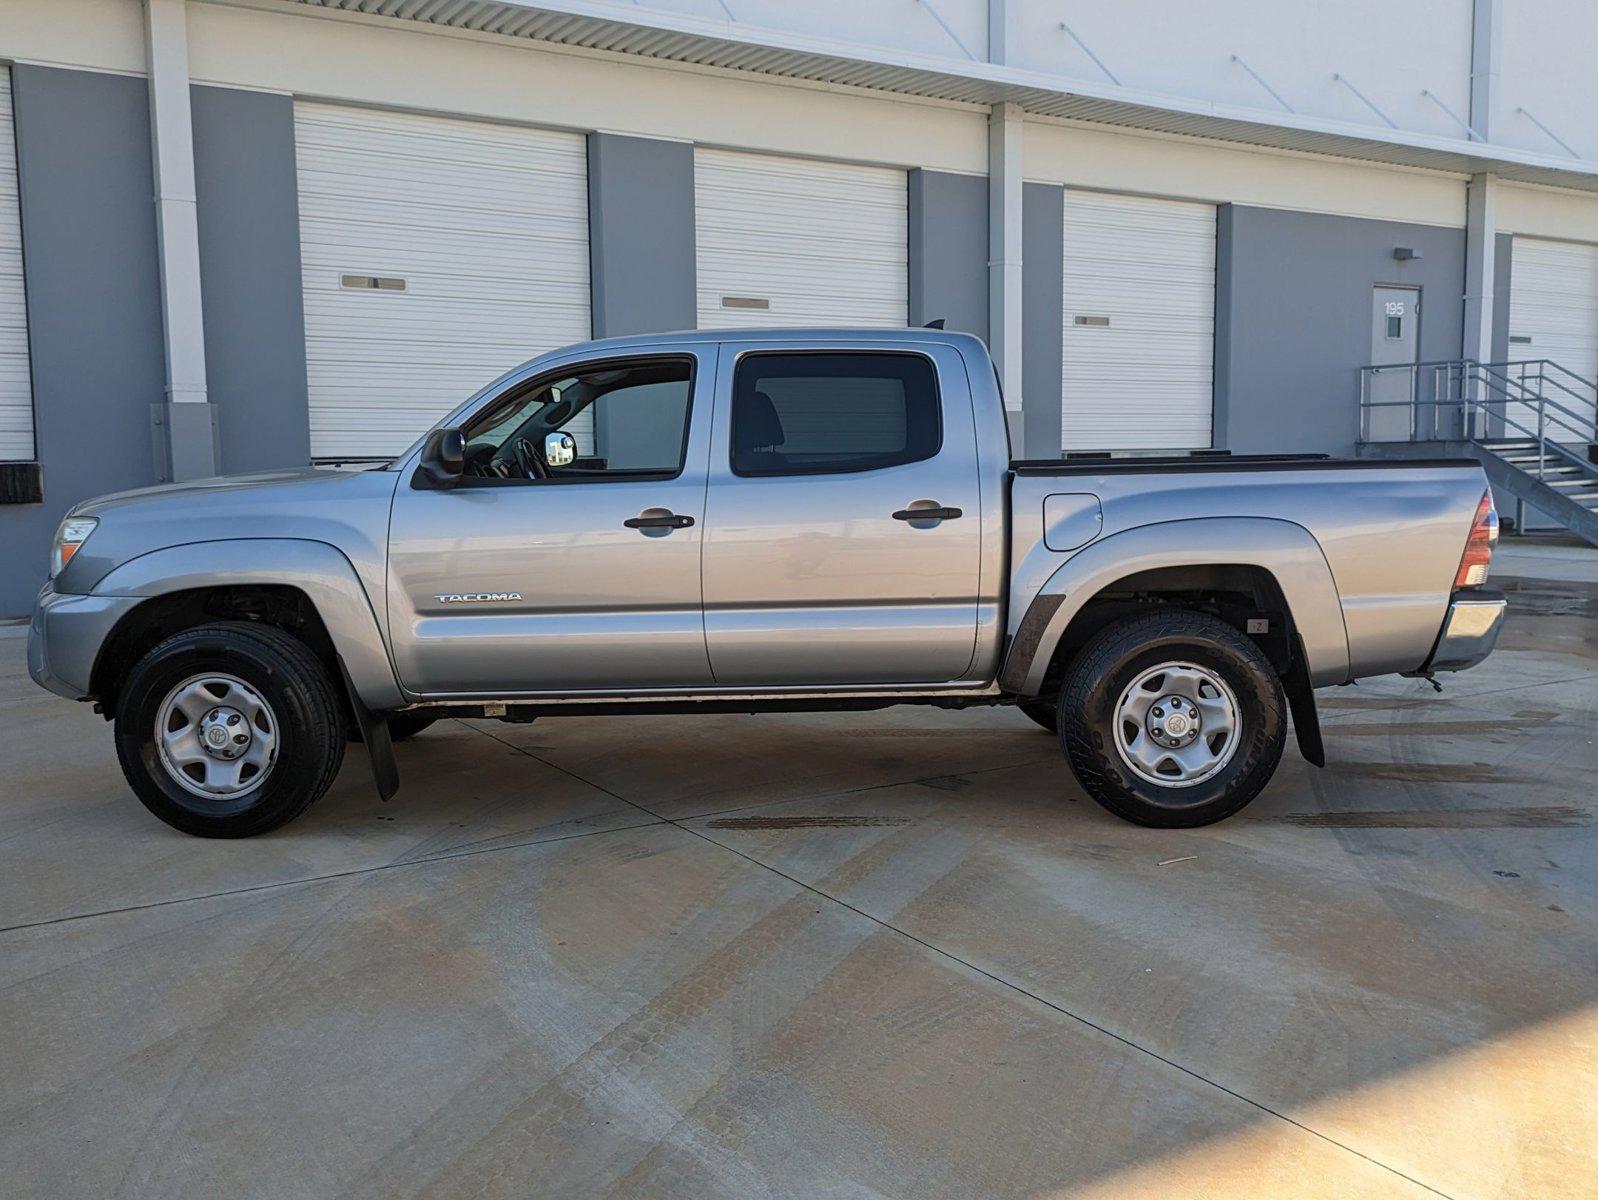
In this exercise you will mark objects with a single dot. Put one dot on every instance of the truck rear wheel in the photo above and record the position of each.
(229, 730)
(1173, 719)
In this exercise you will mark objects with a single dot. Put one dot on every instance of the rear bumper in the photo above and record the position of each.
(1470, 631)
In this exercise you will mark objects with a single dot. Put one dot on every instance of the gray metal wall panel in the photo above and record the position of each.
(1043, 317)
(1503, 279)
(250, 277)
(1293, 314)
(640, 234)
(1502, 351)
(948, 266)
(1223, 325)
(93, 296)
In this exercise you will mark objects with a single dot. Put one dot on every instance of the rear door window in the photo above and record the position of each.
(821, 414)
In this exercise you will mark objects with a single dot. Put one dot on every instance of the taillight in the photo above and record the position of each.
(1479, 546)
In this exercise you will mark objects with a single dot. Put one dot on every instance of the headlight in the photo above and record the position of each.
(73, 533)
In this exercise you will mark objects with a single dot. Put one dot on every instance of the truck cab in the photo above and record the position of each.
(690, 513)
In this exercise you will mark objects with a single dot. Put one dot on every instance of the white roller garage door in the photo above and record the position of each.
(16, 389)
(1553, 300)
(1139, 338)
(791, 241)
(437, 253)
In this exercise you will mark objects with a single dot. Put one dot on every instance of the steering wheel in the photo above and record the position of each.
(529, 459)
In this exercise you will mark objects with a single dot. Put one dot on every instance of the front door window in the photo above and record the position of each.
(609, 422)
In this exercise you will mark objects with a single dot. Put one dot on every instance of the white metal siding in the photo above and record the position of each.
(488, 227)
(1553, 299)
(16, 389)
(1146, 379)
(824, 243)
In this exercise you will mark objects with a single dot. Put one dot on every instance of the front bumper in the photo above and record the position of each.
(1470, 631)
(65, 636)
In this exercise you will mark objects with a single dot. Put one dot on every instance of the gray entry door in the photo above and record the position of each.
(1395, 344)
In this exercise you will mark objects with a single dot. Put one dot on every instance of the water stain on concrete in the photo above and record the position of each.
(1357, 701)
(1548, 816)
(1555, 616)
(941, 733)
(1551, 597)
(1429, 728)
(804, 822)
(1429, 772)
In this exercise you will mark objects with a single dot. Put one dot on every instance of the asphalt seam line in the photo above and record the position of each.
(397, 864)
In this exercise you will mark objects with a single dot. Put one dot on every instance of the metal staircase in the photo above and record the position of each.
(1533, 425)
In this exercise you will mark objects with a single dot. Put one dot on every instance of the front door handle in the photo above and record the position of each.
(667, 520)
(927, 514)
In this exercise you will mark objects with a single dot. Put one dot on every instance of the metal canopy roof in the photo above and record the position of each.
(633, 29)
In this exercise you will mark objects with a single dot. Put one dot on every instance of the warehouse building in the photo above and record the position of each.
(239, 235)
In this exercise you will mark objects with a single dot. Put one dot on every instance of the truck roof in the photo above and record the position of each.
(844, 334)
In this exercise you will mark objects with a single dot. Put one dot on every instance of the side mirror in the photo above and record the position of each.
(443, 459)
(560, 449)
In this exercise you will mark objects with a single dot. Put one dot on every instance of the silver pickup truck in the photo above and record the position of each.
(757, 520)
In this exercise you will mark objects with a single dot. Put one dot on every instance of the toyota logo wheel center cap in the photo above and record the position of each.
(224, 733)
(1174, 722)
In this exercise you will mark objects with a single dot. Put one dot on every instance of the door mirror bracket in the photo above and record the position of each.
(443, 460)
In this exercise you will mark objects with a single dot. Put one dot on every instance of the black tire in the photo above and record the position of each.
(401, 727)
(309, 733)
(1045, 712)
(1113, 660)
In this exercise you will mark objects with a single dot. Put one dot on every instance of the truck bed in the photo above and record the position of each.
(1391, 532)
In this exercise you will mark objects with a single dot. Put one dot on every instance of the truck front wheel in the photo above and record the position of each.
(1173, 719)
(229, 730)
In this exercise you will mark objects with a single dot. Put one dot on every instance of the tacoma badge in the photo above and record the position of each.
(475, 597)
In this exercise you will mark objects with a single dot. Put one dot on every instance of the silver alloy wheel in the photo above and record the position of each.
(216, 736)
(1177, 725)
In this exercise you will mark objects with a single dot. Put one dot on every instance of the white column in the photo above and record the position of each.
(1486, 57)
(1481, 195)
(176, 212)
(1001, 47)
(1004, 248)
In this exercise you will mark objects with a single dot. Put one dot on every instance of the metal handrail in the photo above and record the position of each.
(1541, 366)
(1501, 368)
(1498, 370)
(1452, 390)
(1545, 443)
(1531, 396)
(1546, 362)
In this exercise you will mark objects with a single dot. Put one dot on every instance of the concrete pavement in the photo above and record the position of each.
(881, 954)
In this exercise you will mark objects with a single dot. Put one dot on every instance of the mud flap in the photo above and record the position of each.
(374, 736)
(1301, 703)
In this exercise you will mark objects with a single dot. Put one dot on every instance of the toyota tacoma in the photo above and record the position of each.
(764, 520)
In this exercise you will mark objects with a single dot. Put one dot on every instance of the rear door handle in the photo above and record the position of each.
(660, 521)
(927, 514)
